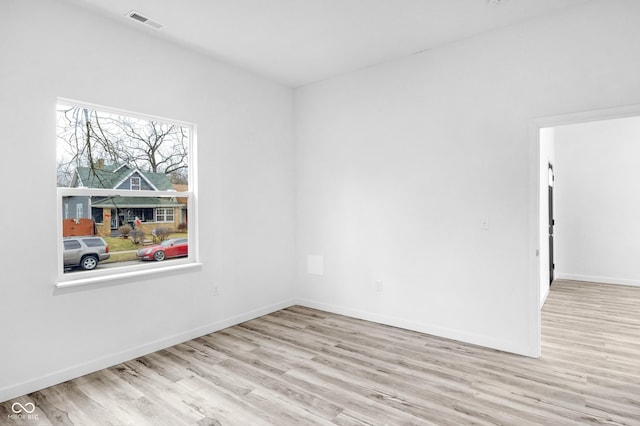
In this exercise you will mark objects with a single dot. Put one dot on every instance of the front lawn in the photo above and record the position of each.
(120, 244)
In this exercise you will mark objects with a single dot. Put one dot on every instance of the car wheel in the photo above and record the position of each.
(89, 262)
(159, 256)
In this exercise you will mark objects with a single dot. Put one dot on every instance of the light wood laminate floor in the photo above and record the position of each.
(303, 366)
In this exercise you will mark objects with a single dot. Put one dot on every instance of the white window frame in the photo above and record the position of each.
(139, 184)
(143, 268)
(164, 214)
(79, 211)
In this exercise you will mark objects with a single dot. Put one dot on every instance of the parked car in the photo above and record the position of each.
(84, 252)
(175, 247)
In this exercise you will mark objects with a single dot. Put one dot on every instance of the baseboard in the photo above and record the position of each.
(596, 279)
(448, 333)
(110, 360)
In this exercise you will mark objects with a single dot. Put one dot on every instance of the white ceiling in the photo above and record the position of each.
(297, 42)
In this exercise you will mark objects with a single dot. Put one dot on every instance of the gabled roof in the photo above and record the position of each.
(111, 176)
(136, 172)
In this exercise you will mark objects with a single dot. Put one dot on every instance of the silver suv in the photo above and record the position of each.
(84, 252)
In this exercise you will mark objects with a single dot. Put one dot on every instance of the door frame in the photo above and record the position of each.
(551, 222)
(534, 264)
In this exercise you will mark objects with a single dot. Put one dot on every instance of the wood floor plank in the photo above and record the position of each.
(305, 366)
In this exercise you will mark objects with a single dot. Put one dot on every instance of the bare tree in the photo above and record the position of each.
(89, 138)
(155, 146)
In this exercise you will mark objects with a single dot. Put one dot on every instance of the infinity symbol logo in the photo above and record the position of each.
(27, 408)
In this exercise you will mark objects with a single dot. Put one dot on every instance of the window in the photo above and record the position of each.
(164, 214)
(134, 183)
(143, 215)
(103, 156)
(71, 245)
(93, 242)
(97, 214)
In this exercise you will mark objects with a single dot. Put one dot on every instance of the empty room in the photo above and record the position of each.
(319, 212)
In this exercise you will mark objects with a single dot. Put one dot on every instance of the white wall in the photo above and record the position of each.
(598, 201)
(547, 156)
(245, 146)
(399, 164)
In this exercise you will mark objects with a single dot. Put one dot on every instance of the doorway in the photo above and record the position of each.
(545, 235)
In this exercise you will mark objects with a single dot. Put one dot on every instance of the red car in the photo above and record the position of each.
(175, 247)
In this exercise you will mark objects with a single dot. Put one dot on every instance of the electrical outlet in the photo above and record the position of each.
(215, 290)
(378, 285)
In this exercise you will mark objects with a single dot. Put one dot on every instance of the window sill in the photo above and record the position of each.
(123, 275)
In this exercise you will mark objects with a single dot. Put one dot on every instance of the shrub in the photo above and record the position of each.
(125, 230)
(137, 236)
(182, 227)
(162, 233)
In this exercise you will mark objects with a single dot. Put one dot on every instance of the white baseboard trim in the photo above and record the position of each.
(72, 372)
(448, 333)
(596, 279)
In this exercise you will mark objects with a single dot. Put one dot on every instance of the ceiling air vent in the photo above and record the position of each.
(144, 20)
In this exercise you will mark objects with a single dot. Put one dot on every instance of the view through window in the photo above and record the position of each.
(123, 188)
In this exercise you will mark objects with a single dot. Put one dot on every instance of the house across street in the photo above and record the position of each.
(110, 213)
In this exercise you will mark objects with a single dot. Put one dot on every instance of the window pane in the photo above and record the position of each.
(70, 245)
(126, 239)
(97, 215)
(99, 149)
(93, 242)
